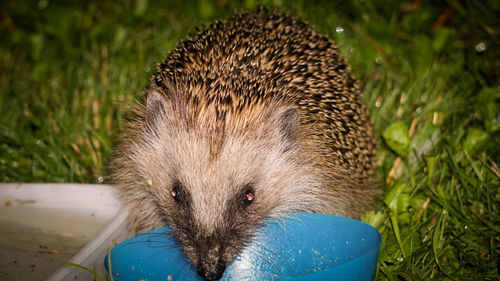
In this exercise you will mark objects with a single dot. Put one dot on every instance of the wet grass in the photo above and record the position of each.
(429, 72)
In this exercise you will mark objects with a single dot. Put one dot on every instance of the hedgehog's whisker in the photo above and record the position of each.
(268, 248)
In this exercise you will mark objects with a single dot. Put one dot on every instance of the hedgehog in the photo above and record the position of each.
(250, 119)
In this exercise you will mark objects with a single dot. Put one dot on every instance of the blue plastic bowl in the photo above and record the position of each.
(304, 247)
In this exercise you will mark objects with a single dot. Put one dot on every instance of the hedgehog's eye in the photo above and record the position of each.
(248, 195)
(176, 190)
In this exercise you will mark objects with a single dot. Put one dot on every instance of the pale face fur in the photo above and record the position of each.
(210, 168)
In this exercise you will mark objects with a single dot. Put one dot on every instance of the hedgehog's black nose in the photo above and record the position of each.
(211, 270)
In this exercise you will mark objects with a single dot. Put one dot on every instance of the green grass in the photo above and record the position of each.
(70, 69)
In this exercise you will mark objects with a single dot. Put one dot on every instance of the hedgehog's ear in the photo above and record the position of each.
(156, 105)
(289, 123)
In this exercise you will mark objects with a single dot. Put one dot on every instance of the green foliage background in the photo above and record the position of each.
(429, 71)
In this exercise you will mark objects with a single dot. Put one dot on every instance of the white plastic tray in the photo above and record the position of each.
(42, 225)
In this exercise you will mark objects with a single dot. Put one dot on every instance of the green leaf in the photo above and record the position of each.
(488, 108)
(395, 227)
(431, 164)
(440, 191)
(437, 238)
(397, 138)
(412, 240)
(91, 271)
(441, 38)
(475, 140)
(403, 202)
(394, 200)
(425, 138)
(404, 217)
(417, 201)
(375, 219)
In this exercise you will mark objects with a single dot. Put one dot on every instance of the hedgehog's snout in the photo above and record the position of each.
(211, 269)
(211, 266)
